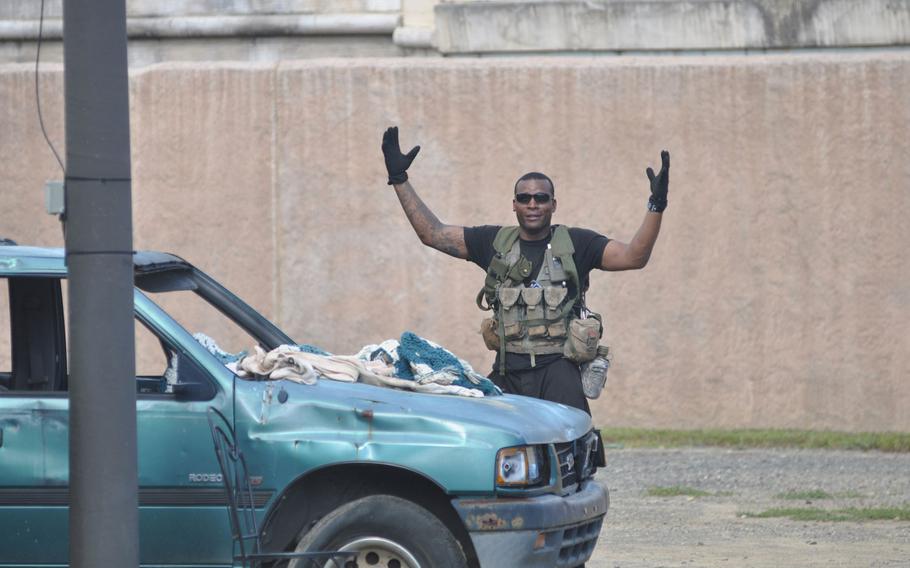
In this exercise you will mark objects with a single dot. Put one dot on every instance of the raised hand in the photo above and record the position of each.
(660, 184)
(396, 163)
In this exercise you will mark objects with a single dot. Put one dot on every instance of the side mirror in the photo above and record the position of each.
(192, 383)
(193, 391)
(151, 385)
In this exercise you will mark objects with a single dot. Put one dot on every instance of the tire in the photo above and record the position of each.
(387, 532)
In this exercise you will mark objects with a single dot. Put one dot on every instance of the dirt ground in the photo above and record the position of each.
(712, 531)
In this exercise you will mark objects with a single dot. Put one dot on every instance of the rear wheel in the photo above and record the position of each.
(386, 532)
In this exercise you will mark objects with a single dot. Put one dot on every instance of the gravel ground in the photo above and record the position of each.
(642, 531)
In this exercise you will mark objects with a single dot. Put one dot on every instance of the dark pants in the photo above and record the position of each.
(559, 381)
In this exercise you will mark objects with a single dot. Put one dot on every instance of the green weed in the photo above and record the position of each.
(645, 438)
(810, 495)
(851, 514)
(676, 491)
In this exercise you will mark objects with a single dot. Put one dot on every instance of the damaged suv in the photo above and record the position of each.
(495, 481)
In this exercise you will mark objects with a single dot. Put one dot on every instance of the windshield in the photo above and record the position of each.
(208, 310)
(198, 316)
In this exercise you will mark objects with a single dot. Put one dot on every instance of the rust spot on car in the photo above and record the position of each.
(367, 414)
(488, 522)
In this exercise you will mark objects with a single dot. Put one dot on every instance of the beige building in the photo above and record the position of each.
(278, 30)
(779, 291)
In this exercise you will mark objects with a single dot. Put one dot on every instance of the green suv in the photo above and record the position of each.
(419, 480)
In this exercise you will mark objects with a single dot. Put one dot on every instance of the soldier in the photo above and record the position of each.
(537, 275)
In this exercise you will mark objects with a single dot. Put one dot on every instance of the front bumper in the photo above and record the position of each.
(564, 529)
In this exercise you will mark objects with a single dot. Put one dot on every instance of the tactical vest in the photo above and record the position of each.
(532, 320)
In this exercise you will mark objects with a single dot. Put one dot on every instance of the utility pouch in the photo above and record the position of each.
(532, 298)
(581, 343)
(557, 272)
(499, 266)
(535, 331)
(554, 296)
(557, 329)
(511, 311)
(520, 270)
(489, 330)
(533, 301)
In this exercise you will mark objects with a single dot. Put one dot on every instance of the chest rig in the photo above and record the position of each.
(530, 319)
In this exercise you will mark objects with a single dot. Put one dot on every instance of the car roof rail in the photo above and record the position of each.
(7, 242)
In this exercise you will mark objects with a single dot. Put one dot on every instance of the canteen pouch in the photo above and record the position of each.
(594, 373)
(581, 343)
(489, 330)
(510, 311)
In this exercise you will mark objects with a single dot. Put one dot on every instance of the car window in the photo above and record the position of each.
(152, 357)
(32, 357)
(6, 358)
(202, 320)
(156, 364)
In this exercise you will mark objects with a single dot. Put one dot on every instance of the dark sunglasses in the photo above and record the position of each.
(525, 198)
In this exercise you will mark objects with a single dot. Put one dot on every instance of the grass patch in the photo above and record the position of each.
(645, 438)
(676, 491)
(836, 515)
(812, 494)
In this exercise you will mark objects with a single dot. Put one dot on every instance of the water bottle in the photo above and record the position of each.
(594, 373)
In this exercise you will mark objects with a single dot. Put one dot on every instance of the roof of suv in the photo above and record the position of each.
(24, 260)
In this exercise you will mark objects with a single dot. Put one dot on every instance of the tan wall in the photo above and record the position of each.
(779, 291)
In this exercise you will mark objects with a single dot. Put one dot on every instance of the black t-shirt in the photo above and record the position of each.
(589, 248)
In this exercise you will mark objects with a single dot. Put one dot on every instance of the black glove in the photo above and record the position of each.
(395, 162)
(660, 184)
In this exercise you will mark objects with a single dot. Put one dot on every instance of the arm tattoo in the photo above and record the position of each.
(423, 220)
(429, 228)
(450, 246)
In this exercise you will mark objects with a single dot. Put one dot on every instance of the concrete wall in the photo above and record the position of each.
(276, 30)
(779, 291)
(465, 27)
(219, 30)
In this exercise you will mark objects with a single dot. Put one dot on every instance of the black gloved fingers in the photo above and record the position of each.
(660, 184)
(396, 163)
(390, 140)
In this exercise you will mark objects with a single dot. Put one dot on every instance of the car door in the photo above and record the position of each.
(33, 422)
(182, 519)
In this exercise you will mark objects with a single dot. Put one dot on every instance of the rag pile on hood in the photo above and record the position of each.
(410, 363)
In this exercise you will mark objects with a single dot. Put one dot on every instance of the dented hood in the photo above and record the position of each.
(522, 419)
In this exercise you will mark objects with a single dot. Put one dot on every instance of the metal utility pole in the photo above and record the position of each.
(104, 518)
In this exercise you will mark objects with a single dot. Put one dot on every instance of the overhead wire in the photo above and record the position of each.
(62, 216)
(38, 92)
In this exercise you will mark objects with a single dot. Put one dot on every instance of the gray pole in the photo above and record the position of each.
(104, 519)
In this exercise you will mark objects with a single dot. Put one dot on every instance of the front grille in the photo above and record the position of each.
(578, 543)
(577, 459)
(567, 470)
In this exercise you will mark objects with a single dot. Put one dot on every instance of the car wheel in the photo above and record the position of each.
(385, 532)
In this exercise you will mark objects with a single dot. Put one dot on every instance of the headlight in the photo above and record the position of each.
(520, 466)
